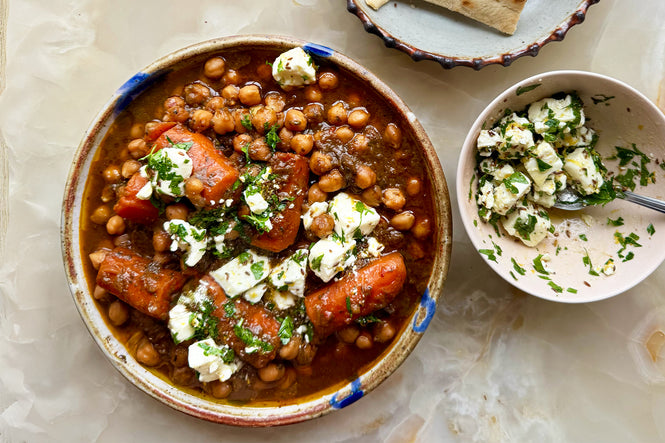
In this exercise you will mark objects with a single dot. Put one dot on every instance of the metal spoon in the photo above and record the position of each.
(570, 200)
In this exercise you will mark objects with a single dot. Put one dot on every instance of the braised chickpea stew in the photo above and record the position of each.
(259, 226)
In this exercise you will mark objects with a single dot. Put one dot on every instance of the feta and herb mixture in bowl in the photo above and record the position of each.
(565, 131)
(258, 232)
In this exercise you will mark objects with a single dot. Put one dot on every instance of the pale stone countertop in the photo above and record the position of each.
(494, 365)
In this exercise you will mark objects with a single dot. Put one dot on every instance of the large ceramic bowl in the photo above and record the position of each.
(332, 398)
(584, 240)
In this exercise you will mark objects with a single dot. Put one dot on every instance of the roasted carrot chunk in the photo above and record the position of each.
(293, 171)
(157, 129)
(356, 295)
(211, 167)
(132, 208)
(139, 282)
(250, 330)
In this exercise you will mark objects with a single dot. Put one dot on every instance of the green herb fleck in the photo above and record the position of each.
(489, 253)
(650, 229)
(285, 331)
(224, 352)
(524, 89)
(257, 269)
(520, 270)
(617, 222)
(316, 263)
(538, 265)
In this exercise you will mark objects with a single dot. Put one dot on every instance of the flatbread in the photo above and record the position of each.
(499, 14)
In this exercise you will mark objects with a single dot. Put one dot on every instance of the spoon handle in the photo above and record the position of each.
(642, 200)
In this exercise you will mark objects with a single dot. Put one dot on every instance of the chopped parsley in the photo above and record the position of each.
(207, 323)
(617, 222)
(260, 221)
(272, 139)
(587, 262)
(556, 288)
(229, 308)
(366, 320)
(246, 121)
(224, 352)
(257, 269)
(316, 263)
(524, 89)
(583, 237)
(285, 331)
(489, 253)
(253, 343)
(526, 227)
(520, 270)
(650, 229)
(538, 265)
(348, 305)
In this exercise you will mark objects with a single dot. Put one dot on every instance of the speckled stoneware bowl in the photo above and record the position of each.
(621, 116)
(429, 32)
(268, 414)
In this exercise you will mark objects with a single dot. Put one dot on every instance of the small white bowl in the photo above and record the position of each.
(621, 116)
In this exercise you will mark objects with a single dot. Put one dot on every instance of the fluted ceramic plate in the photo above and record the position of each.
(429, 32)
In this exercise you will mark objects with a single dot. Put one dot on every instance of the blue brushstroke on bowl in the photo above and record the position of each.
(133, 87)
(356, 394)
(429, 304)
(318, 50)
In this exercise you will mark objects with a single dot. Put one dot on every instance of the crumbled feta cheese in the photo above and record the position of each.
(503, 172)
(527, 224)
(582, 171)
(302, 330)
(294, 67)
(187, 238)
(145, 192)
(242, 273)
(283, 300)
(315, 209)
(180, 323)
(488, 140)
(545, 162)
(352, 217)
(563, 111)
(486, 195)
(517, 141)
(504, 196)
(254, 295)
(290, 274)
(172, 167)
(328, 257)
(609, 268)
(206, 358)
(374, 247)
(257, 204)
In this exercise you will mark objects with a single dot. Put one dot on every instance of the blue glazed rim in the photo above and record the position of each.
(268, 414)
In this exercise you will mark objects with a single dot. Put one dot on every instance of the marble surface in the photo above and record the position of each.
(495, 365)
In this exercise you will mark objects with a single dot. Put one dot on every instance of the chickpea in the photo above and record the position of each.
(214, 68)
(290, 350)
(175, 111)
(259, 150)
(108, 194)
(344, 134)
(179, 356)
(118, 313)
(302, 143)
(328, 81)
(322, 225)
(240, 141)
(364, 340)
(416, 250)
(313, 113)
(122, 240)
(353, 99)
(320, 163)
(394, 198)
(372, 196)
(295, 120)
(332, 181)
(313, 93)
(365, 177)
(315, 194)
(421, 228)
(240, 116)
(193, 187)
(403, 221)
(161, 241)
(97, 257)
(231, 77)
(196, 94)
(112, 174)
(413, 186)
(289, 379)
(147, 354)
(99, 293)
(230, 94)
(349, 334)
(264, 119)
(201, 120)
(137, 130)
(101, 215)
(137, 148)
(176, 211)
(360, 143)
(129, 168)
(264, 72)
(285, 137)
(271, 372)
(392, 136)
(250, 95)
(275, 101)
(358, 118)
(384, 331)
(215, 103)
(337, 114)
(115, 225)
(222, 121)
(306, 354)
(220, 389)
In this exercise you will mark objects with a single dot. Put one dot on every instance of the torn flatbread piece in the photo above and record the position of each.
(499, 14)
